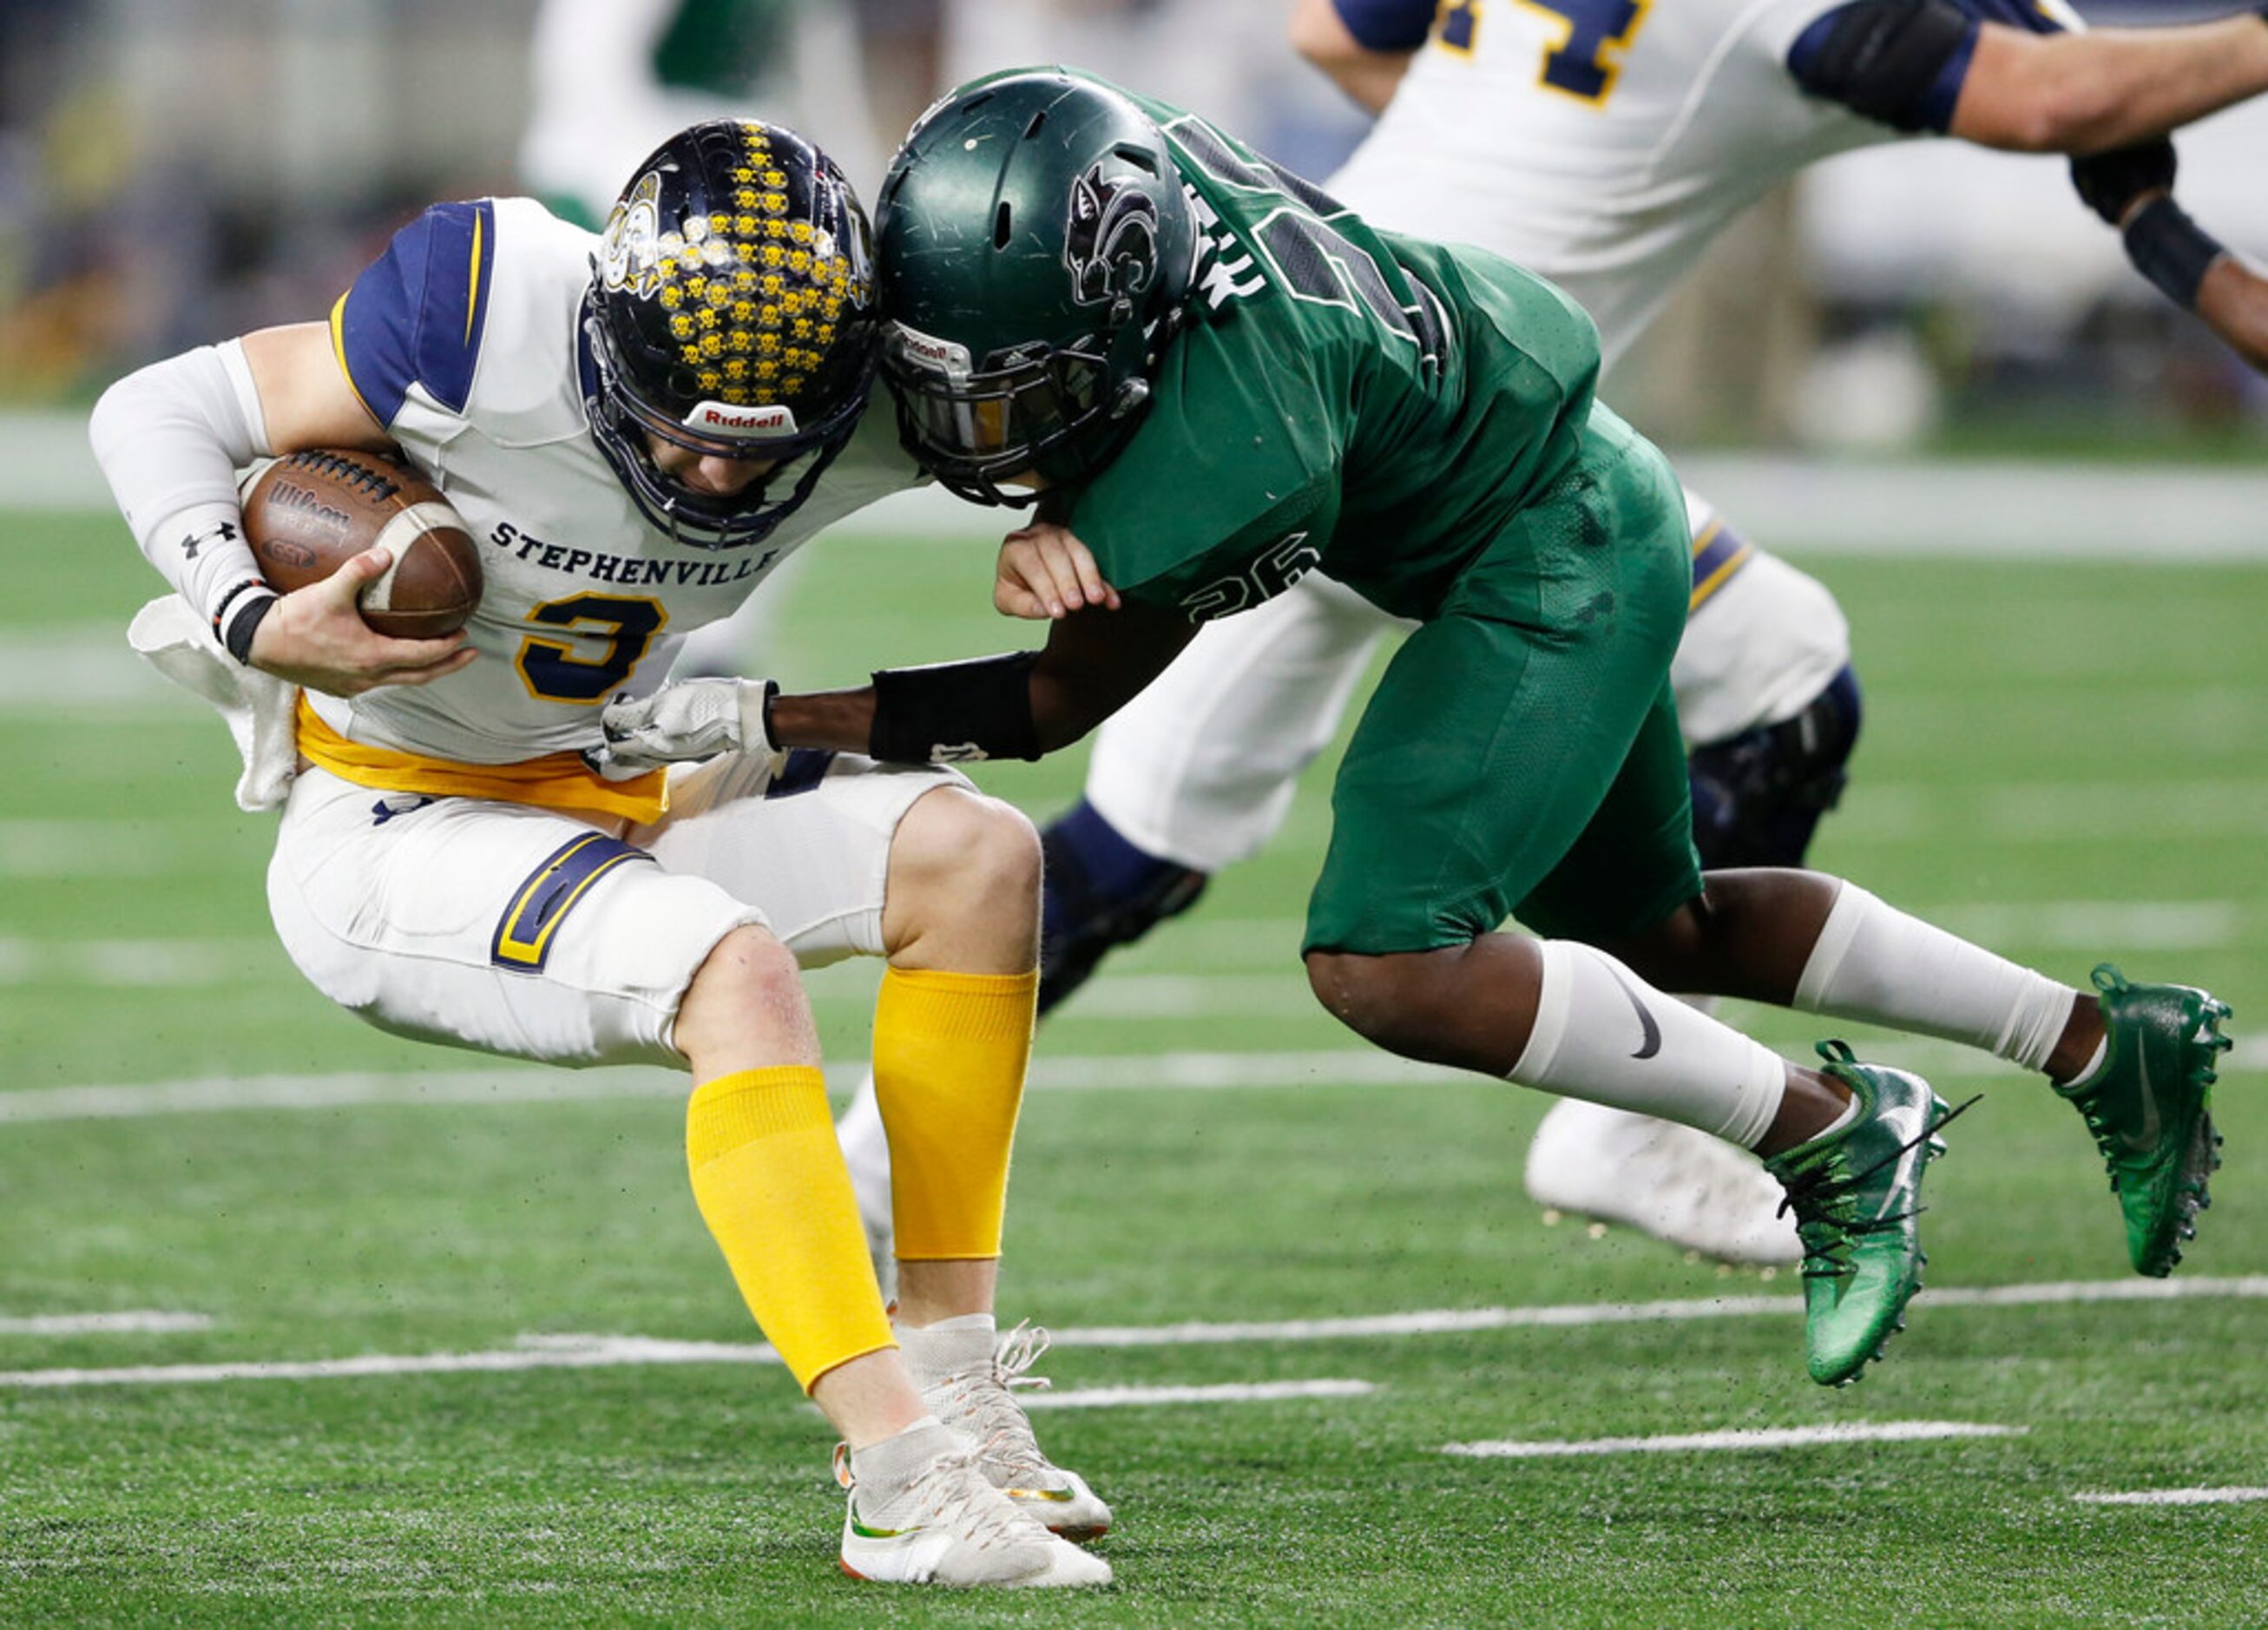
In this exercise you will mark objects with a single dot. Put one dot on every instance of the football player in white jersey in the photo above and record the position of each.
(636, 428)
(1603, 143)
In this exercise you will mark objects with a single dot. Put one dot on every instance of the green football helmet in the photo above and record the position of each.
(1035, 249)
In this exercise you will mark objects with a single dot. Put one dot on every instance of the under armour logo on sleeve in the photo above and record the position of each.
(224, 533)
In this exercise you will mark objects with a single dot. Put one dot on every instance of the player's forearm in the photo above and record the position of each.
(2087, 92)
(170, 439)
(1019, 704)
(841, 721)
(2232, 301)
(1369, 76)
(947, 712)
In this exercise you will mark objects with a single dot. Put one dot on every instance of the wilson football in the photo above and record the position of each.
(308, 513)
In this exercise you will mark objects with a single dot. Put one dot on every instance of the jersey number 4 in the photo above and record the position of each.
(1576, 63)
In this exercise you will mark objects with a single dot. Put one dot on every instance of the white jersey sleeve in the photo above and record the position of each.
(1604, 143)
(464, 339)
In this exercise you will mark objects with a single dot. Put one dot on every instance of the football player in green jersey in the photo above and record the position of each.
(1215, 380)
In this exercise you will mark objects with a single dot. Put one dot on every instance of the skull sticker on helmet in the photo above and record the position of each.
(630, 257)
(1110, 239)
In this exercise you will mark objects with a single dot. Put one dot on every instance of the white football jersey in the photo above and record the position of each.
(464, 340)
(1603, 142)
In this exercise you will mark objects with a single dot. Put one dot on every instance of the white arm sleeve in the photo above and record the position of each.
(170, 439)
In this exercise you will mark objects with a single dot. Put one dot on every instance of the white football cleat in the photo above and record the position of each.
(968, 1379)
(947, 1525)
(1678, 1184)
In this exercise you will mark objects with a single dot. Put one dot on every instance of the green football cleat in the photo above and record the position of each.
(2148, 1108)
(1855, 1194)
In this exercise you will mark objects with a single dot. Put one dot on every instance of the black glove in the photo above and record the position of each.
(2109, 182)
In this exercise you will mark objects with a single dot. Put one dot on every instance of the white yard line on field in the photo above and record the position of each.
(1187, 1071)
(92, 847)
(590, 1352)
(1457, 1320)
(2030, 812)
(1184, 1071)
(1235, 1392)
(1753, 1438)
(2177, 1497)
(135, 964)
(613, 1352)
(136, 1324)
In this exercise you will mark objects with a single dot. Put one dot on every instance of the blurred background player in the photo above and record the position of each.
(638, 428)
(1603, 143)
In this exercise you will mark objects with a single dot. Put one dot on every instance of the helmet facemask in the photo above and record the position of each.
(1031, 410)
(621, 423)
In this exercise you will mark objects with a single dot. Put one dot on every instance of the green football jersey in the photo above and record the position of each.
(1341, 398)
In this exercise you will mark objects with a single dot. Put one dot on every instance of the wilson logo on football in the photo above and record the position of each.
(287, 495)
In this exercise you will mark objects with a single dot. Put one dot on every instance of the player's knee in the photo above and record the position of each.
(749, 987)
(957, 851)
(1389, 1001)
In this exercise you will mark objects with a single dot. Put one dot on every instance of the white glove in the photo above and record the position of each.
(692, 720)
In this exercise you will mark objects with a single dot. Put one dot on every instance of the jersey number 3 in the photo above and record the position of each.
(1577, 63)
(555, 669)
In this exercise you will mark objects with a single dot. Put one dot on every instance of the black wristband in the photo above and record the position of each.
(245, 623)
(236, 619)
(2171, 250)
(956, 712)
(2108, 182)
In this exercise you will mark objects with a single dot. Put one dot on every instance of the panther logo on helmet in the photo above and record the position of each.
(1110, 239)
(629, 256)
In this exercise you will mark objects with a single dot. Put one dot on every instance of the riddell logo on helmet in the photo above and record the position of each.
(912, 345)
(776, 420)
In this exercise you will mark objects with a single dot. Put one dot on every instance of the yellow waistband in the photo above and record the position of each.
(560, 781)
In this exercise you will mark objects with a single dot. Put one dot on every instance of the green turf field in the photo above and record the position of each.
(2071, 759)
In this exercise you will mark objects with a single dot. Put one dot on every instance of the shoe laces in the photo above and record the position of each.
(1824, 1200)
(952, 1492)
(981, 1403)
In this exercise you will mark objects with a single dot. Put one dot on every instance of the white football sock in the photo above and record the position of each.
(1603, 1034)
(1874, 963)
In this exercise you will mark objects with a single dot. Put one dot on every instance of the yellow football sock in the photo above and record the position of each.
(950, 1050)
(771, 1186)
